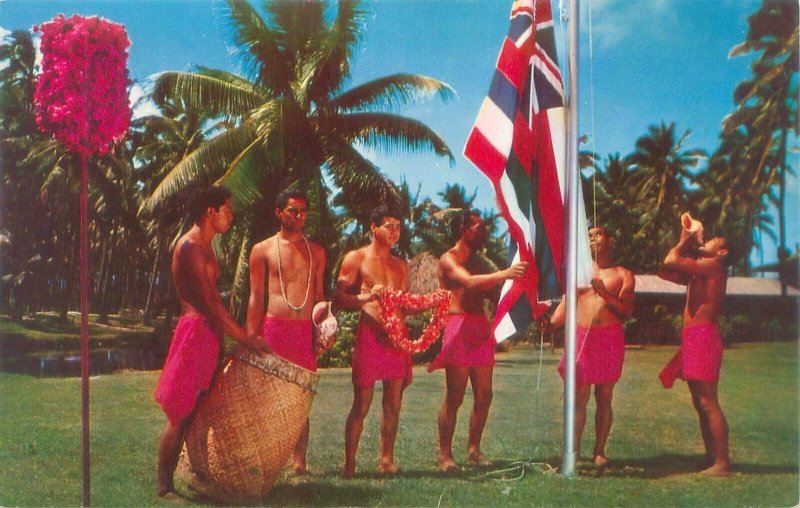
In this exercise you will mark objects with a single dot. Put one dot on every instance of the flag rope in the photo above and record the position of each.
(591, 117)
(522, 466)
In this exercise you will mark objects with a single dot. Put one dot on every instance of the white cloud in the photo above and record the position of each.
(614, 22)
(37, 45)
(3, 34)
(141, 106)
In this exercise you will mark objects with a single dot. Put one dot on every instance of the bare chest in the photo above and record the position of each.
(385, 272)
(290, 261)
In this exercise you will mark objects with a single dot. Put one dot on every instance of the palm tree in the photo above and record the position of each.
(33, 247)
(161, 142)
(767, 103)
(611, 198)
(293, 123)
(17, 83)
(660, 168)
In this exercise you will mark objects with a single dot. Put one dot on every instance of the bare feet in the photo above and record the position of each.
(388, 468)
(448, 465)
(716, 470)
(349, 472)
(301, 470)
(172, 496)
(600, 460)
(478, 458)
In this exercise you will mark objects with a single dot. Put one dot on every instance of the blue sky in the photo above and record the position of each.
(641, 62)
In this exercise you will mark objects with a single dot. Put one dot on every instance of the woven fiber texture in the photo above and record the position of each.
(244, 430)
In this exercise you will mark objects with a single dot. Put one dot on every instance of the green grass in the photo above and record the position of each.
(654, 441)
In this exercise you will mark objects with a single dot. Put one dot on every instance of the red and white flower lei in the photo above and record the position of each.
(392, 300)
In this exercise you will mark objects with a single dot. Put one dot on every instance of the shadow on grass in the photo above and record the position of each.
(307, 493)
(547, 360)
(667, 465)
(313, 493)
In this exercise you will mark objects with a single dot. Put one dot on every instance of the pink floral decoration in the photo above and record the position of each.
(392, 301)
(81, 94)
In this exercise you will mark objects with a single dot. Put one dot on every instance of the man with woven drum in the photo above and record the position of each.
(467, 347)
(197, 341)
(364, 274)
(288, 268)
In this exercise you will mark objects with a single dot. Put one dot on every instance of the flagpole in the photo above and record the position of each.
(569, 454)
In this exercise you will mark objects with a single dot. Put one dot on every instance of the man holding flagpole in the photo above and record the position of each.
(601, 342)
(467, 348)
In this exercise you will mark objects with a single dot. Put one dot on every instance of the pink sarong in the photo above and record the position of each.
(191, 362)
(600, 352)
(374, 360)
(467, 342)
(699, 358)
(290, 339)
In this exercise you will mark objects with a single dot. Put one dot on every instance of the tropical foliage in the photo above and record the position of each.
(292, 117)
(734, 189)
(296, 65)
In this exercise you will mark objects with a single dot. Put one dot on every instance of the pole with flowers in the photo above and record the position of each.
(81, 99)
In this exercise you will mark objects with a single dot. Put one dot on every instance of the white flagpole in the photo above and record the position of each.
(569, 453)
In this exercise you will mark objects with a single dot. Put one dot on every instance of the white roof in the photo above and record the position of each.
(737, 286)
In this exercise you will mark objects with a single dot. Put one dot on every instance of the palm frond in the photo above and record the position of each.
(363, 186)
(234, 79)
(258, 48)
(343, 38)
(300, 26)
(246, 175)
(198, 91)
(391, 134)
(206, 164)
(391, 92)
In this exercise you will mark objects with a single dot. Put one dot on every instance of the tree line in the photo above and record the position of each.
(290, 120)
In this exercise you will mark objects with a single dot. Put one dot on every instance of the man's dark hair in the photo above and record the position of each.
(604, 229)
(381, 212)
(205, 197)
(460, 220)
(283, 198)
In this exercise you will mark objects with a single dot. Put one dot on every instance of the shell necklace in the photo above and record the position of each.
(308, 281)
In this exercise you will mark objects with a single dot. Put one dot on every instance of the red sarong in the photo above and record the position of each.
(290, 339)
(192, 359)
(600, 352)
(375, 360)
(467, 342)
(699, 358)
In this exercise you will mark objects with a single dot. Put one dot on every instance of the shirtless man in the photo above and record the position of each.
(468, 347)
(364, 274)
(699, 359)
(601, 343)
(198, 339)
(289, 269)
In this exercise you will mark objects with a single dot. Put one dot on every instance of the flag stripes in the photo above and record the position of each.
(518, 143)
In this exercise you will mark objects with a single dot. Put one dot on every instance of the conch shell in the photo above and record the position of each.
(325, 327)
(692, 226)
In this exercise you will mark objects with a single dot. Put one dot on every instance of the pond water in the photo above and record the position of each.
(68, 364)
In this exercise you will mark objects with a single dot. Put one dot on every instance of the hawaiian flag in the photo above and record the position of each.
(518, 142)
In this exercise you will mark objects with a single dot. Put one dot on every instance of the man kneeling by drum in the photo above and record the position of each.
(197, 342)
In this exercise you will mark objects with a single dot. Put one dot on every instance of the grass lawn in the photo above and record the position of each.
(655, 439)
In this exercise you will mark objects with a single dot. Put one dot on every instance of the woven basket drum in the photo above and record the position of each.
(244, 430)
